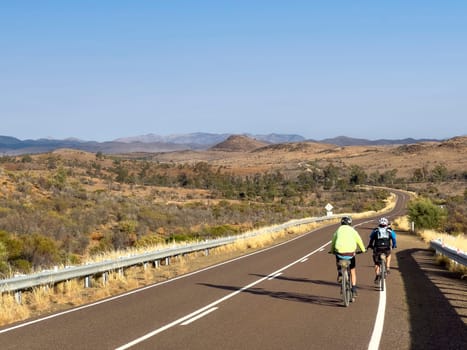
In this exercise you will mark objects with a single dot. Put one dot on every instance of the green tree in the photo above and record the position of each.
(439, 173)
(389, 177)
(3, 259)
(59, 178)
(425, 214)
(331, 174)
(357, 175)
(122, 173)
(419, 174)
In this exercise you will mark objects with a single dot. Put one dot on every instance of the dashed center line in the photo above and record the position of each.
(274, 276)
(199, 316)
(211, 307)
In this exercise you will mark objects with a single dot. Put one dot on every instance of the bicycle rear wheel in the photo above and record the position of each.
(346, 288)
(382, 277)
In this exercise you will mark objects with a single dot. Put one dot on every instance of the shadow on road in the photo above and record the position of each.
(298, 279)
(319, 282)
(434, 322)
(298, 297)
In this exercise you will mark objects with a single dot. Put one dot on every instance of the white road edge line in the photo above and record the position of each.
(379, 323)
(207, 307)
(199, 316)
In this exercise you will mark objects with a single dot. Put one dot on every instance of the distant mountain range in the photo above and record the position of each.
(157, 143)
(207, 139)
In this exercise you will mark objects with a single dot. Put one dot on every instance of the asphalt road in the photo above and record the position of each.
(283, 297)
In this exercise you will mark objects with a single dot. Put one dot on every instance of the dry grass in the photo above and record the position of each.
(72, 293)
(11, 310)
(402, 223)
(456, 242)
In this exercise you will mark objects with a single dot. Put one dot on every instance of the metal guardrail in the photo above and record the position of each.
(450, 252)
(50, 278)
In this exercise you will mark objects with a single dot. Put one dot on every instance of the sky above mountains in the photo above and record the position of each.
(100, 70)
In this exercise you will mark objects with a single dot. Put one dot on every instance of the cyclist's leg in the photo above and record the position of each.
(388, 260)
(375, 260)
(339, 272)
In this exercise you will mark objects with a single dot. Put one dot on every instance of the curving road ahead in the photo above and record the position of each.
(283, 297)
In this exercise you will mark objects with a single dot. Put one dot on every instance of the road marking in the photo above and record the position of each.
(274, 276)
(379, 323)
(304, 260)
(199, 316)
(213, 304)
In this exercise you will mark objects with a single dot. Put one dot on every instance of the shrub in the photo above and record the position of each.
(425, 214)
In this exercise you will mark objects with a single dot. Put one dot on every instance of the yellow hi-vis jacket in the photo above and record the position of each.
(345, 240)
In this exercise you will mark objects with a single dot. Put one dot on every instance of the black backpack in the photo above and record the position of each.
(382, 237)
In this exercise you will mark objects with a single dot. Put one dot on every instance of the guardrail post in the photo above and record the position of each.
(167, 260)
(18, 297)
(120, 272)
(87, 281)
(145, 265)
(105, 277)
(156, 264)
(206, 252)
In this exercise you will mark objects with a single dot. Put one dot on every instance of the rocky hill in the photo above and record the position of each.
(238, 143)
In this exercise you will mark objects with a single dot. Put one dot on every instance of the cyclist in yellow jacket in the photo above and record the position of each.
(344, 244)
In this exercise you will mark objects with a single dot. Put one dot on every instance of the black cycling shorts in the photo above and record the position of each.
(378, 251)
(352, 262)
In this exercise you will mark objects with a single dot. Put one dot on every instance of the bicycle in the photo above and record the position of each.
(346, 282)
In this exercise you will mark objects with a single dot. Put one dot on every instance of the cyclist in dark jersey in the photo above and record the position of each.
(382, 239)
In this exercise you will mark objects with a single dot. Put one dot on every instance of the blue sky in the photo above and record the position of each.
(99, 70)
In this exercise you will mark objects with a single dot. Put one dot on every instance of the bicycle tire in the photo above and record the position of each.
(346, 291)
(382, 271)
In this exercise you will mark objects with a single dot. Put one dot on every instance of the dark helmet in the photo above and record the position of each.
(346, 220)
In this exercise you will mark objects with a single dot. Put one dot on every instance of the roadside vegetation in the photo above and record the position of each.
(67, 208)
(62, 209)
(57, 210)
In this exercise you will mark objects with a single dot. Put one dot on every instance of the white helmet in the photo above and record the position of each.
(383, 222)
